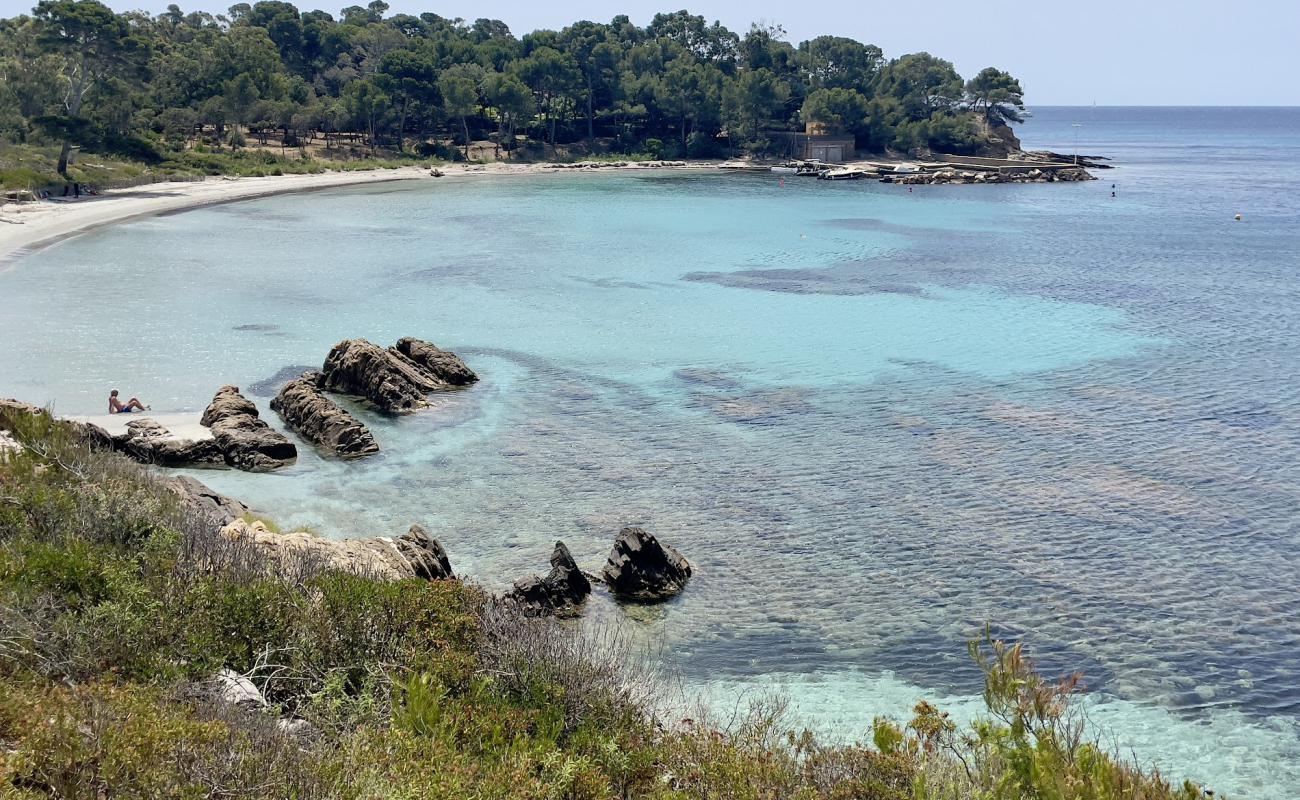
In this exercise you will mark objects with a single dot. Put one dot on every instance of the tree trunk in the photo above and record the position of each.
(464, 124)
(591, 128)
(76, 92)
(401, 128)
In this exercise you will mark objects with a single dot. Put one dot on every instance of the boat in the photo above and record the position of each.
(810, 167)
(843, 174)
(786, 169)
(905, 167)
(743, 166)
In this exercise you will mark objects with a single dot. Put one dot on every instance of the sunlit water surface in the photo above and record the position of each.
(874, 419)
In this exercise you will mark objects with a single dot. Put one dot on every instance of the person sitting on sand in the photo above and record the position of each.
(116, 406)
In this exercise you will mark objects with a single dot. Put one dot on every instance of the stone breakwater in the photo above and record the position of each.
(955, 176)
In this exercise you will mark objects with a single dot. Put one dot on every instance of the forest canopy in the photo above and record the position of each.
(77, 74)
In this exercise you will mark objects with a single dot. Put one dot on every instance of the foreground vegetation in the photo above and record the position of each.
(177, 87)
(117, 608)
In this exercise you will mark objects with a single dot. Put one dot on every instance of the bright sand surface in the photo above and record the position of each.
(182, 425)
(25, 227)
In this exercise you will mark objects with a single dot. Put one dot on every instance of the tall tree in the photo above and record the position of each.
(997, 95)
(95, 44)
(513, 102)
(459, 88)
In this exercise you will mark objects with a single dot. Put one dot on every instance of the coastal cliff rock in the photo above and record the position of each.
(563, 587)
(246, 442)
(213, 506)
(318, 419)
(425, 554)
(386, 378)
(640, 568)
(412, 555)
(149, 442)
(444, 365)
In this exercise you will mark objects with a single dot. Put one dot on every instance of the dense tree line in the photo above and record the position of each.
(78, 73)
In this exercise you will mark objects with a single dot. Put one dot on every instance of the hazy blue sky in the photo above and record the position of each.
(1112, 52)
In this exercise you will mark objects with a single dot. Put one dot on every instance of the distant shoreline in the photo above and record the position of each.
(26, 228)
(29, 227)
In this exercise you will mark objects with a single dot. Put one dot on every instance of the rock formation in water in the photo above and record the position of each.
(386, 378)
(318, 419)
(640, 568)
(389, 378)
(412, 555)
(563, 587)
(246, 442)
(444, 365)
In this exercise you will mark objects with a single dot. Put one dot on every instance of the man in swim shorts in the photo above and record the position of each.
(116, 406)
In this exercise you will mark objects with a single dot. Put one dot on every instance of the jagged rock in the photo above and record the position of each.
(441, 364)
(640, 568)
(386, 378)
(413, 555)
(246, 442)
(315, 417)
(563, 587)
(425, 554)
(227, 402)
(164, 452)
(219, 509)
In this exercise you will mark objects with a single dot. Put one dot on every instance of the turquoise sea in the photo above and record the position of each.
(874, 419)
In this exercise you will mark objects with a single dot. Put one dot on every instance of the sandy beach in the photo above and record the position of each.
(25, 227)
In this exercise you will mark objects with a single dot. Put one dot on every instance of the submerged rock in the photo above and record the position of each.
(386, 378)
(246, 442)
(318, 419)
(563, 587)
(444, 365)
(640, 568)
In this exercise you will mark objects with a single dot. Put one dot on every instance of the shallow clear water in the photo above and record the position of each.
(873, 419)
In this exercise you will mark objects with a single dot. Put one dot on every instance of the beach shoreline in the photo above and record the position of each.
(28, 227)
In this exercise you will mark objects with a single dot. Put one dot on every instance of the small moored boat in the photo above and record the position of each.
(843, 174)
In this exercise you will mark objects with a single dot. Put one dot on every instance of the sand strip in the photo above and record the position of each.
(27, 227)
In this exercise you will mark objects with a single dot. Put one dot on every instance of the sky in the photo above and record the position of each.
(1108, 52)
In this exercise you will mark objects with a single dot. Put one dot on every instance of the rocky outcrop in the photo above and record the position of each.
(563, 587)
(425, 554)
(1023, 175)
(245, 441)
(640, 568)
(386, 378)
(93, 435)
(149, 442)
(218, 509)
(444, 365)
(412, 555)
(319, 420)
